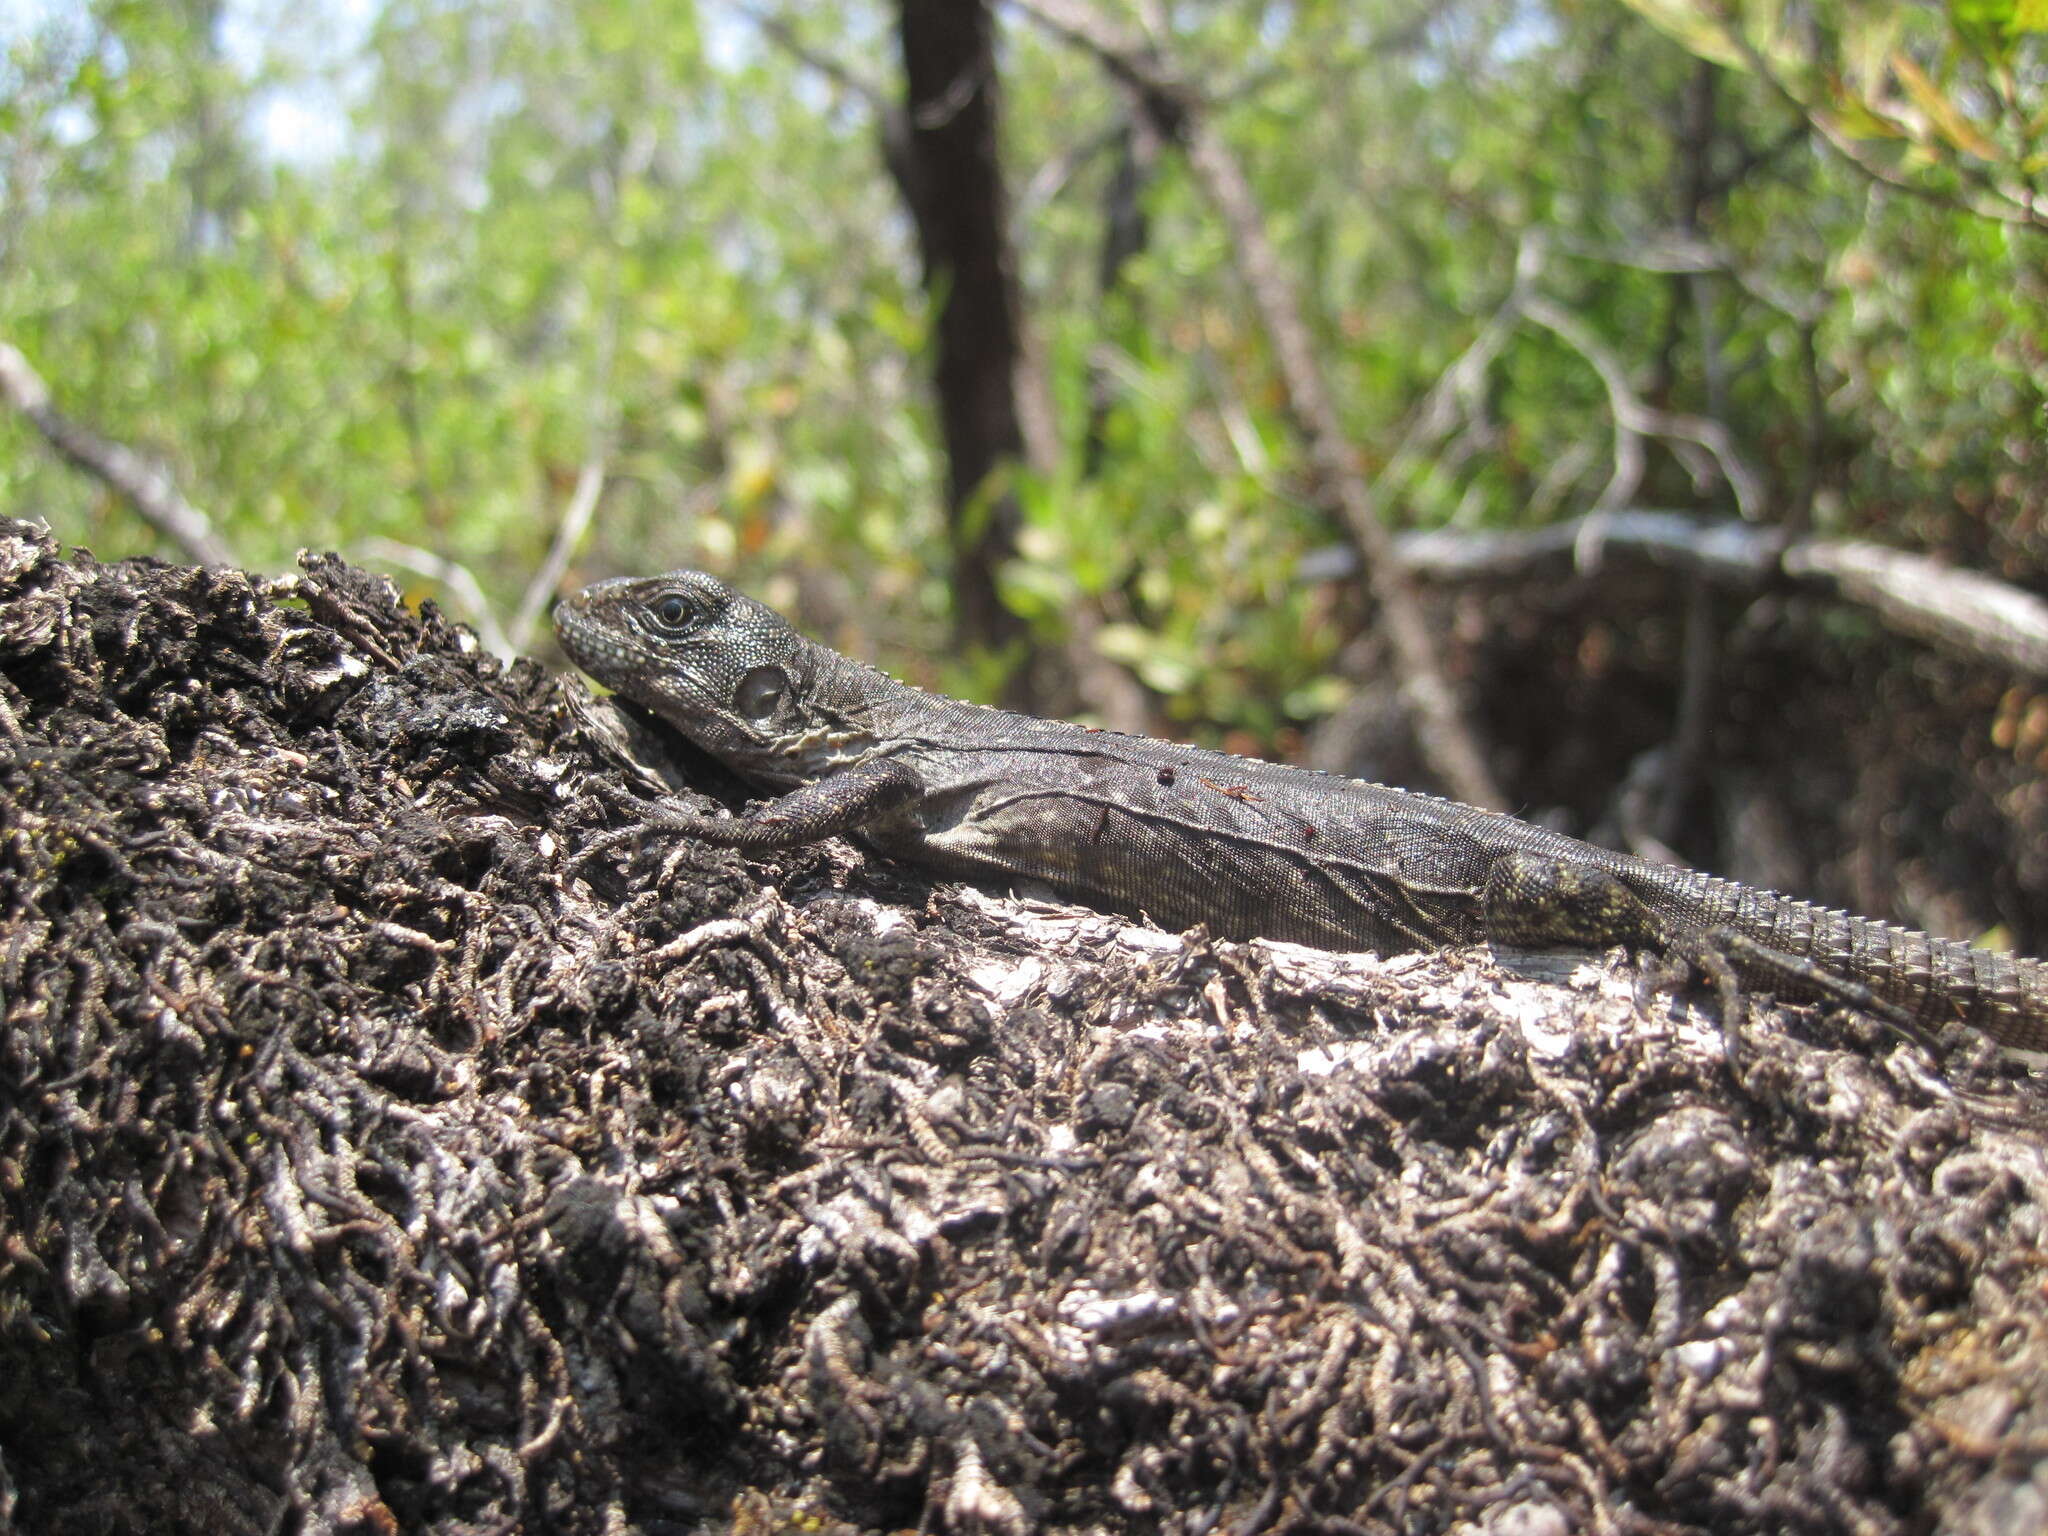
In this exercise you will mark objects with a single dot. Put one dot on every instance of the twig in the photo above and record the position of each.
(1986, 199)
(576, 516)
(1051, 178)
(1463, 380)
(783, 33)
(142, 485)
(892, 119)
(1446, 738)
(1975, 615)
(601, 414)
(407, 393)
(451, 576)
(1635, 420)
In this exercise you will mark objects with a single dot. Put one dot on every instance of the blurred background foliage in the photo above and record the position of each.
(393, 276)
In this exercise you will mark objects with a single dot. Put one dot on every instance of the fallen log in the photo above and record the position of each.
(362, 1170)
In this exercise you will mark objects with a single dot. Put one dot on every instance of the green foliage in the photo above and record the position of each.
(543, 241)
(645, 233)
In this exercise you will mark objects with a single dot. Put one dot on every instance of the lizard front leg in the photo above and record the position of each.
(838, 802)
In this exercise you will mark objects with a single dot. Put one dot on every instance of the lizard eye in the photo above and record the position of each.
(673, 611)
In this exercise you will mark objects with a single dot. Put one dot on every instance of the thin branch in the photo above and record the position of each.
(1137, 63)
(892, 121)
(1051, 178)
(1566, 469)
(781, 31)
(600, 411)
(1661, 251)
(1623, 404)
(1463, 382)
(1445, 736)
(1634, 420)
(407, 393)
(569, 532)
(144, 486)
(1966, 612)
(1677, 252)
(451, 577)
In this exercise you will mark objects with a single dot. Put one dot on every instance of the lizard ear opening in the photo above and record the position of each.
(760, 692)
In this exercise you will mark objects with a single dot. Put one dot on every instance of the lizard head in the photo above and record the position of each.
(729, 673)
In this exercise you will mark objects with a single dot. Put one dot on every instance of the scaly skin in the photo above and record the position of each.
(1186, 836)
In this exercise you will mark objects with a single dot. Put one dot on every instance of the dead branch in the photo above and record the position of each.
(1635, 420)
(1446, 737)
(144, 486)
(1964, 611)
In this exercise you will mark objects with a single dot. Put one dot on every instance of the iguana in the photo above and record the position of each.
(1185, 836)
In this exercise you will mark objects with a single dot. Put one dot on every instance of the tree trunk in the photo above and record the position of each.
(947, 164)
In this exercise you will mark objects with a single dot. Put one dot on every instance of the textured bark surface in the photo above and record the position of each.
(951, 174)
(367, 1166)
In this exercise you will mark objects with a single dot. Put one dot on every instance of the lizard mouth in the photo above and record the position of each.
(595, 647)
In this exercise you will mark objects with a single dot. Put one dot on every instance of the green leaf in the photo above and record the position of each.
(1943, 113)
(1695, 28)
(1983, 26)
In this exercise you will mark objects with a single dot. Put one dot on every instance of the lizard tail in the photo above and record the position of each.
(1934, 980)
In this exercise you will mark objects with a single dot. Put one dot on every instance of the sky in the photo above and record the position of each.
(315, 45)
(304, 118)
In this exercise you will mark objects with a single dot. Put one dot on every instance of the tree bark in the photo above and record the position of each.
(952, 180)
(444, 1179)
